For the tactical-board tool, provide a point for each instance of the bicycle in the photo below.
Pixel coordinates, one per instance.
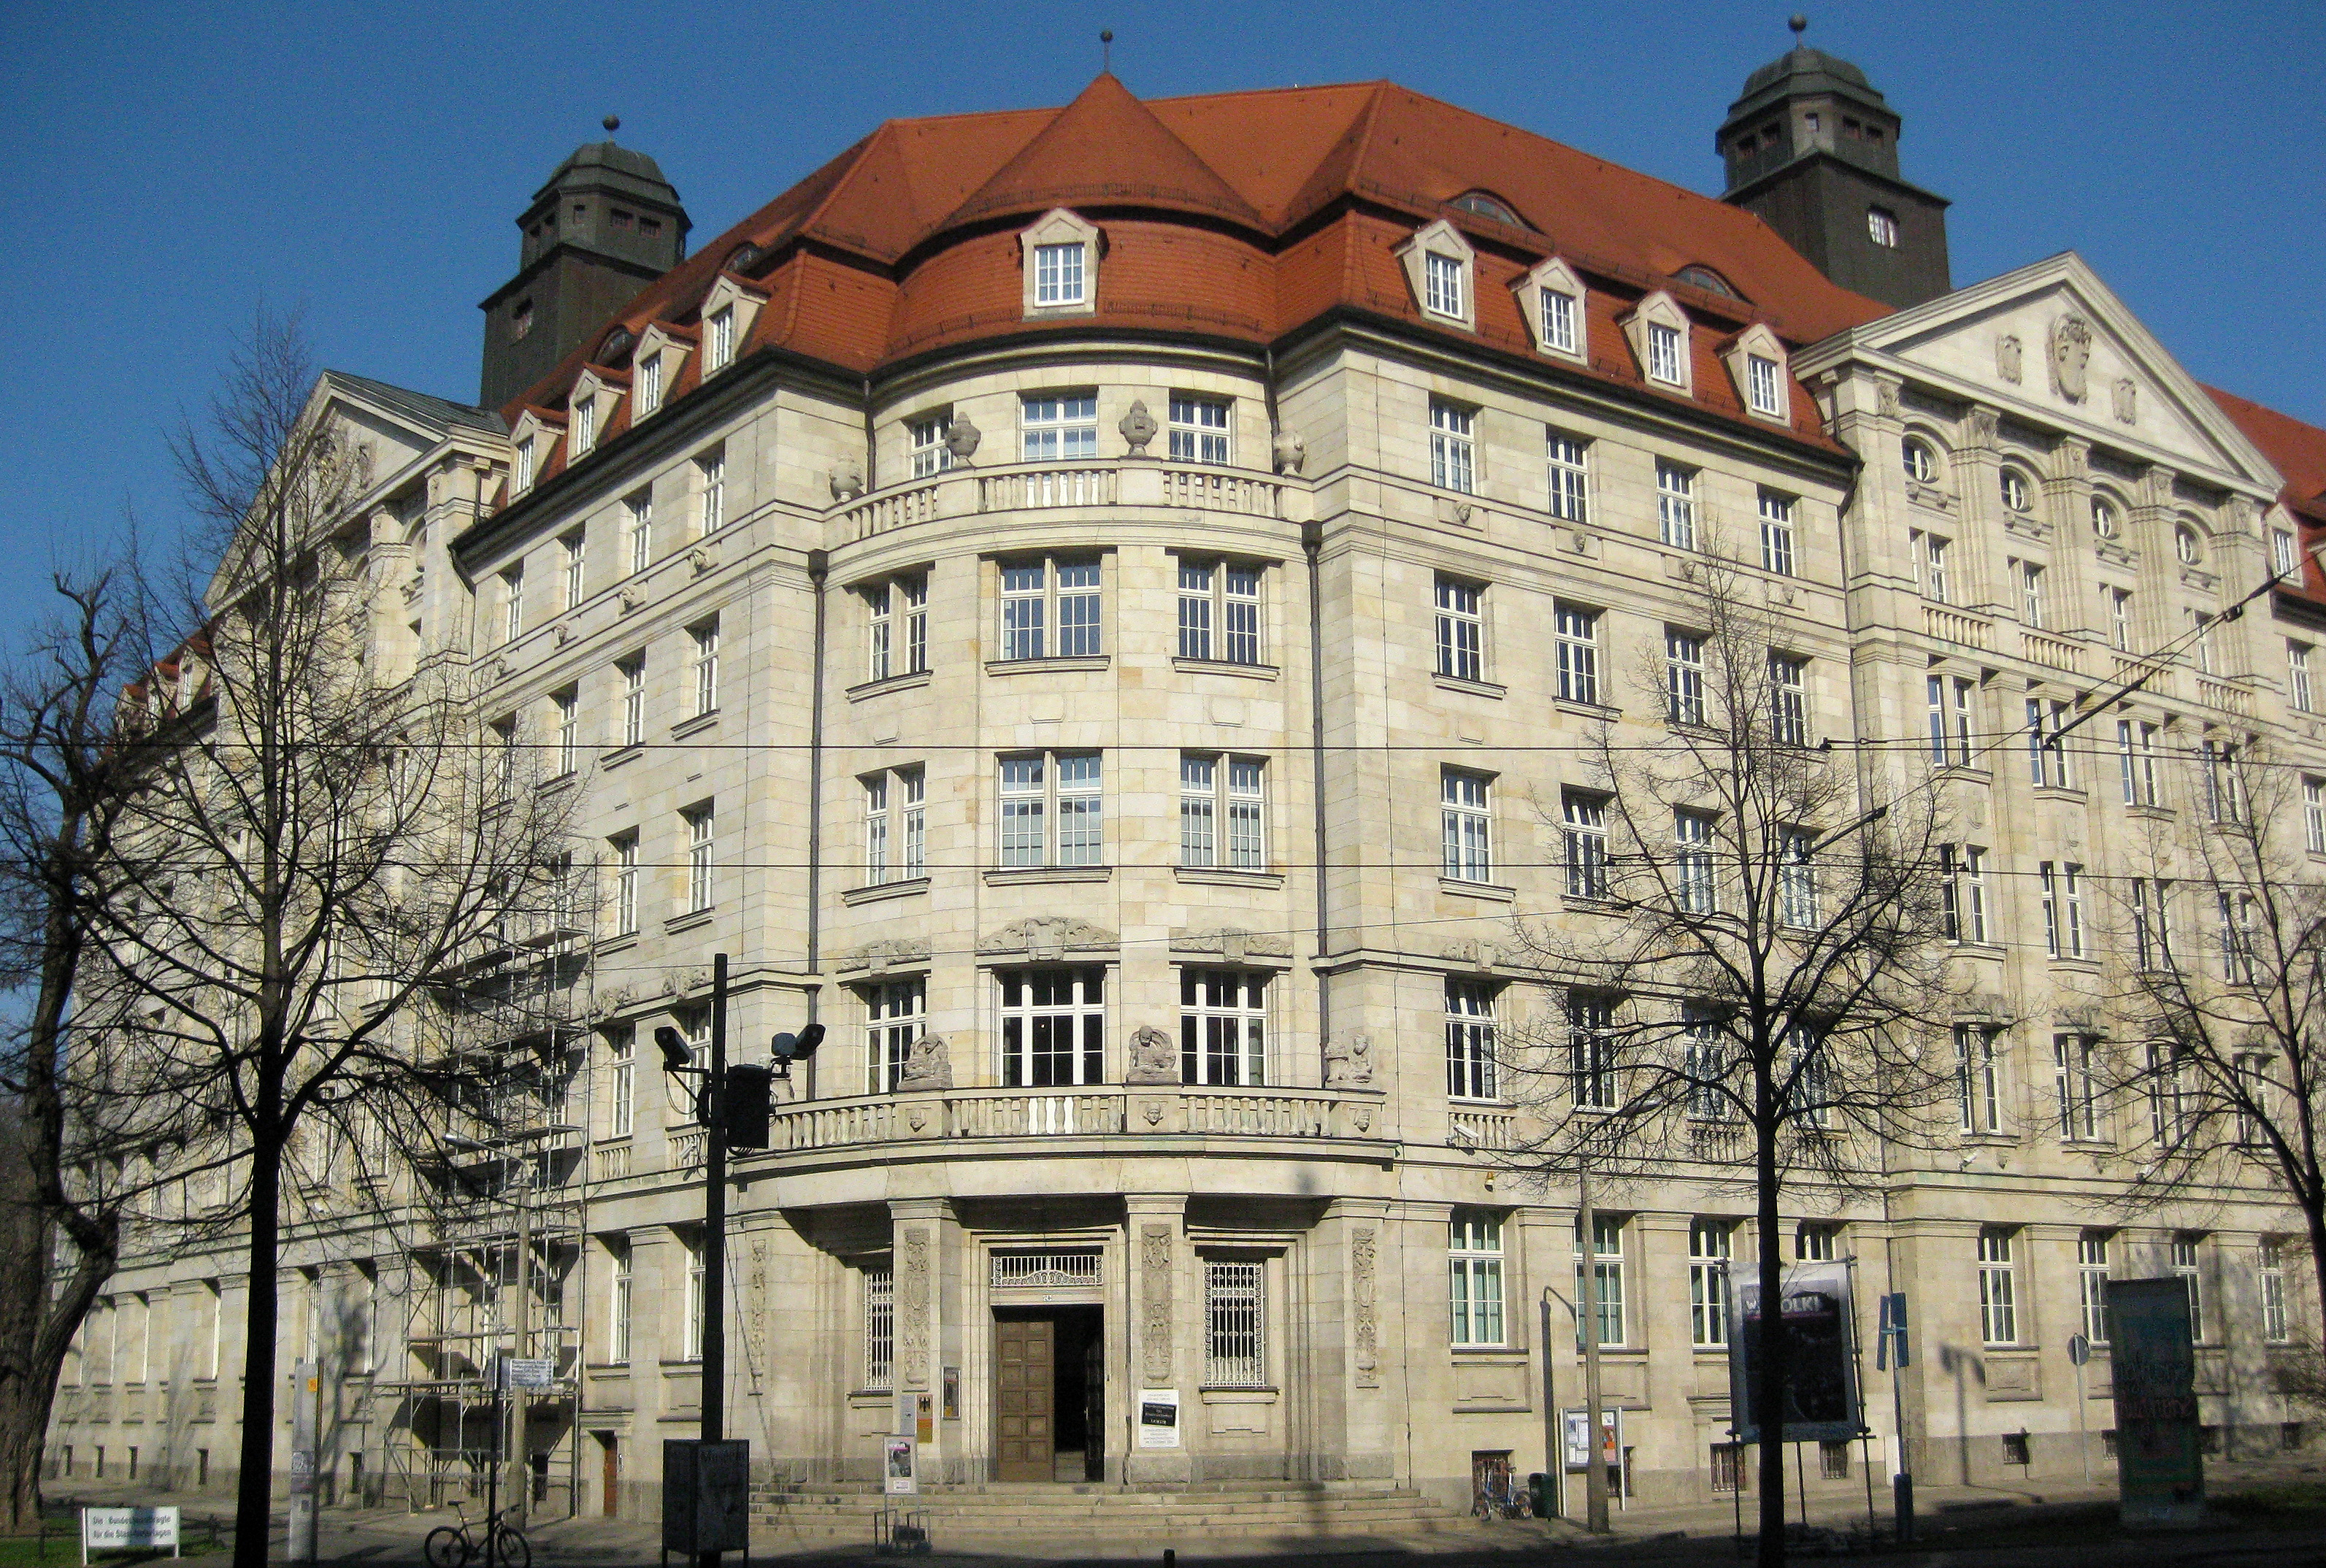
(452, 1547)
(1499, 1496)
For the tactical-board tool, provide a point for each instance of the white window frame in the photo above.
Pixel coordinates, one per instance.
(702, 822)
(1044, 615)
(1920, 459)
(2187, 1262)
(2135, 744)
(1607, 1281)
(896, 627)
(1453, 446)
(1061, 274)
(1695, 882)
(2031, 593)
(2275, 1328)
(1223, 1031)
(1474, 1282)
(1675, 504)
(2091, 1286)
(621, 1080)
(693, 1310)
(1062, 795)
(649, 383)
(1472, 1063)
(521, 469)
(1978, 1079)
(710, 481)
(895, 1012)
(572, 544)
(1445, 290)
(638, 531)
(2074, 1096)
(2314, 815)
(1667, 346)
(1574, 631)
(2285, 555)
(1930, 551)
(1466, 824)
(1461, 623)
(2297, 676)
(703, 638)
(1058, 427)
(621, 1303)
(512, 580)
(626, 882)
(1683, 677)
(633, 671)
(1777, 537)
(925, 441)
(1998, 1286)
(1789, 699)
(1568, 461)
(2015, 493)
(565, 730)
(1220, 611)
(1562, 315)
(879, 1327)
(719, 339)
(1200, 429)
(1223, 812)
(1594, 1078)
(1582, 830)
(1067, 1003)
(1882, 227)
(1711, 1244)
(1797, 885)
(1761, 379)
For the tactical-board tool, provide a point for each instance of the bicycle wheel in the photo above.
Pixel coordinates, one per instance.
(510, 1547)
(447, 1546)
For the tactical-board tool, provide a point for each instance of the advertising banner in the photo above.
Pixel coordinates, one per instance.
(2153, 1368)
(900, 1467)
(1821, 1395)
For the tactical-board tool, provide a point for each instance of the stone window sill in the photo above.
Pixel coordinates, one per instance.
(1045, 666)
(690, 920)
(620, 754)
(903, 682)
(695, 725)
(1010, 876)
(1222, 667)
(1485, 890)
(1227, 877)
(1476, 688)
(877, 890)
(1599, 710)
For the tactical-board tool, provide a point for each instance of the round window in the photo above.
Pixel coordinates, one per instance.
(2185, 545)
(2015, 489)
(2104, 517)
(1921, 463)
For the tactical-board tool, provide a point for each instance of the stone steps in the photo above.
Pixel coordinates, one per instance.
(1100, 1515)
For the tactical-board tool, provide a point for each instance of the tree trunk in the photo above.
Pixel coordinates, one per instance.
(2315, 1215)
(254, 1486)
(1768, 1370)
(24, 1396)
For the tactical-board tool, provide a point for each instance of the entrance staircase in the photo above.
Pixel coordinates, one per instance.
(1029, 1519)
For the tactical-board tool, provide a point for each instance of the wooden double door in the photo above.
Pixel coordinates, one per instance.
(1048, 1395)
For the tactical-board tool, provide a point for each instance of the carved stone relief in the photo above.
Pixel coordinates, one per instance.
(754, 1297)
(1980, 426)
(2127, 401)
(847, 480)
(1364, 1308)
(1289, 451)
(1886, 397)
(1233, 943)
(913, 1310)
(2009, 358)
(1138, 427)
(930, 1065)
(1349, 1060)
(962, 437)
(1154, 1057)
(1155, 1258)
(1046, 938)
(879, 956)
(2071, 357)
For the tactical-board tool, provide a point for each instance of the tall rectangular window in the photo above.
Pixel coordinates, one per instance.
(1977, 1087)
(617, 1307)
(895, 1013)
(1058, 274)
(2274, 1326)
(2225, 789)
(1559, 320)
(521, 473)
(2091, 1286)
(2031, 593)
(1053, 1027)
(1061, 593)
(512, 604)
(1707, 1065)
(2297, 676)
(875, 828)
(1776, 534)
(701, 837)
(1583, 830)
(565, 723)
(638, 530)
(649, 383)
(1695, 885)
(2200, 645)
(880, 1326)
(1199, 429)
(2187, 1264)
(720, 348)
(1441, 280)
(1949, 721)
(1474, 1259)
(1216, 791)
(1461, 629)
(2119, 608)
(926, 441)
(1761, 382)
(625, 883)
(1931, 557)
(1467, 825)
(711, 482)
(1058, 427)
(2135, 744)
(2314, 815)
(1570, 479)
(585, 425)
(1789, 700)
(1574, 634)
(1470, 1053)
(1663, 353)
(1452, 454)
(1710, 1245)
(1223, 1027)
(1675, 504)
(1235, 1321)
(2061, 883)
(2077, 1098)
(1998, 1287)
(1219, 611)
(2285, 555)
(633, 673)
(704, 635)
(1606, 1278)
(570, 550)
(1796, 887)
(1683, 677)
(2050, 764)
(897, 628)
(1052, 809)
(1593, 1077)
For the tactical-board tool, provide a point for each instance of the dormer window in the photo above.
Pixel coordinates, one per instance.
(1659, 330)
(721, 349)
(1057, 275)
(1060, 260)
(1442, 285)
(1756, 364)
(1663, 353)
(585, 425)
(1439, 262)
(1550, 298)
(521, 475)
(1761, 379)
(650, 384)
(1558, 313)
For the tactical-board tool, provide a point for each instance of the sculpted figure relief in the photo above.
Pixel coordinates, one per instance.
(1349, 1061)
(2071, 357)
(1154, 1059)
(2007, 358)
(930, 1065)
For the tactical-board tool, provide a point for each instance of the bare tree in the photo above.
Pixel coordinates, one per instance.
(321, 843)
(1752, 956)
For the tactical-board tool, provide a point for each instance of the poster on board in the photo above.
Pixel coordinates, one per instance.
(901, 1468)
(1821, 1395)
(2153, 1373)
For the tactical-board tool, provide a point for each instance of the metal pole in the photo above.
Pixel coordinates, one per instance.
(522, 1481)
(714, 1223)
(1554, 1462)
(2083, 1433)
(1594, 1468)
(493, 1469)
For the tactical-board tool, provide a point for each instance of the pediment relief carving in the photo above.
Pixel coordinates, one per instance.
(1048, 937)
(1233, 943)
(889, 953)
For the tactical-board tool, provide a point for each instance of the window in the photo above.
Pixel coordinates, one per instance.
(1053, 1027)
(1235, 1316)
(1576, 633)
(1951, 729)
(2285, 555)
(2165, 1069)
(879, 1326)
(633, 673)
(1570, 479)
(1214, 790)
(565, 708)
(1761, 385)
(1664, 354)
(2273, 1290)
(1060, 427)
(704, 635)
(721, 350)
(1963, 890)
(696, 1297)
(1706, 1063)
(1810, 1094)
(1058, 274)
(1453, 464)
(1469, 1040)
(1199, 429)
(1052, 809)
(625, 883)
(1930, 560)
(2225, 789)
(1789, 700)
(895, 1012)
(585, 426)
(649, 383)
(2031, 593)
(1560, 315)
(521, 476)
(2151, 942)
(2048, 762)
(1461, 629)
(1061, 592)
(1921, 463)
(2236, 911)
(2104, 517)
(1606, 1277)
(897, 628)
(2119, 608)
(570, 550)
(1882, 228)
(638, 530)
(2072, 1081)
(2297, 676)
(1776, 534)
(1219, 611)
(2136, 744)
(1223, 1027)
(1586, 833)
(1727, 1467)
(2015, 494)
(2249, 1077)
(926, 439)
(621, 1080)
(1796, 888)
(1683, 677)
(2314, 815)
(701, 828)
(2091, 1286)
(2185, 545)
(1998, 1296)
(1710, 1245)
(617, 1346)
(1675, 504)
(2185, 1264)
(1592, 1076)
(512, 604)
(2063, 908)
(2201, 641)
(896, 833)
(1474, 1252)
(711, 481)
(1441, 278)
(1467, 825)
(1693, 881)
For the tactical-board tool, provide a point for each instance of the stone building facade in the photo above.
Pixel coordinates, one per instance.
(1111, 649)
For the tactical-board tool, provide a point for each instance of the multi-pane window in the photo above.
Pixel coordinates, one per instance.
(710, 483)
(2285, 555)
(2274, 1326)
(1796, 887)
(691, 1346)
(1663, 353)
(1453, 446)
(1810, 1092)
(1683, 677)
(895, 827)
(1606, 1277)
(2061, 886)
(618, 1345)
(2049, 762)
(1223, 1027)
(2119, 608)
(1705, 1062)
(1694, 883)
(1235, 1317)
(1216, 791)
(585, 425)
(2136, 744)
(1470, 1059)
(1052, 809)
(1882, 228)
(625, 883)
(1570, 490)
(895, 1013)
(2235, 914)
(924, 439)
(1467, 825)
(1219, 611)
(2201, 641)
(1776, 534)
(701, 837)
(1560, 317)
(2076, 1098)
(638, 529)
(1053, 1027)
(2152, 940)
(649, 383)
(2166, 1068)
(1930, 560)
(897, 628)
(1060, 593)
(1058, 427)
(1575, 635)
(1474, 1258)
(1998, 1287)
(1950, 706)
(1789, 700)
(2031, 593)
(621, 1080)
(1675, 504)
(1592, 1076)
(565, 728)
(1461, 629)
(2186, 1263)
(1922, 464)
(704, 636)
(512, 604)
(1710, 1245)
(2016, 492)
(1584, 825)
(1441, 284)
(1978, 1088)
(521, 476)
(1058, 273)
(2314, 815)
(2225, 784)
(1199, 429)
(2297, 676)
(1962, 892)
(633, 673)
(572, 562)
(720, 349)
(1761, 383)
(2091, 1285)
(880, 1326)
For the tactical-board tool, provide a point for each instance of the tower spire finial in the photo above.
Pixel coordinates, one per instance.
(1106, 51)
(1798, 24)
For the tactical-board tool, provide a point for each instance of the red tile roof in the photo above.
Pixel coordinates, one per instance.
(2298, 452)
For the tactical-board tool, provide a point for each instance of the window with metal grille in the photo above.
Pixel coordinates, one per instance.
(879, 1326)
(1223, 1027)
(1072, 1268)
(1235, 1325)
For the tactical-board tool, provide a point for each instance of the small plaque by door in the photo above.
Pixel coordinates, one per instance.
(1025, 1417)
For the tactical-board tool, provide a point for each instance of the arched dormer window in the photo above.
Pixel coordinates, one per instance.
(1698, 276)
(1486, 204)
(1551, 298)
(1757, 364)
(1442, 269)
(1058, 258)
(1659, 331)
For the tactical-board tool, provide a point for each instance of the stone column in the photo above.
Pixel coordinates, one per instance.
(1156, 1271)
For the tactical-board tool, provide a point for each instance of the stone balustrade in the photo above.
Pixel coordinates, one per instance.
(1135, 1110)
(1954, 626)
(1034, 487)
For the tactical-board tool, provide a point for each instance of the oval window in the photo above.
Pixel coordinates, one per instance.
(1921, 463)
(2015, 493)
(2104, 522)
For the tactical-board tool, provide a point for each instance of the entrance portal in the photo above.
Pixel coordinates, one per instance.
(1049, 1393)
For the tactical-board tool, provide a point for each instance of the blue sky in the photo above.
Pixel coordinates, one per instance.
(173, 168)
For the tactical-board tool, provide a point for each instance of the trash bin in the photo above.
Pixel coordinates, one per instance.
(1539, 1494)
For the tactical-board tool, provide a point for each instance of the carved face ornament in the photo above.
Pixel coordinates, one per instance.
(2072, 355)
